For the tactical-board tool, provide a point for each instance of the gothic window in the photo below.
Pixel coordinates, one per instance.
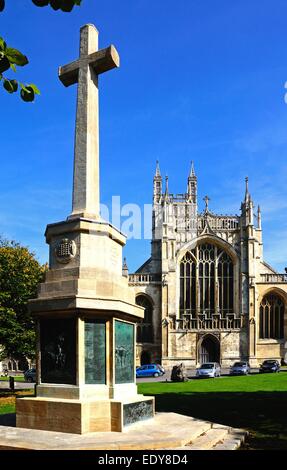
(188, 284)
(211, 269)
(144, 328)
(271, 314)
(225, 283)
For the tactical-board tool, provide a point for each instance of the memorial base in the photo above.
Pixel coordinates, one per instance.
(82, 416)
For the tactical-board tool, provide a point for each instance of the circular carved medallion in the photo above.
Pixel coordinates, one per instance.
(65, 250)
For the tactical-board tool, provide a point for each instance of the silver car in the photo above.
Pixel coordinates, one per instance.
(240, 368)
(208, 369)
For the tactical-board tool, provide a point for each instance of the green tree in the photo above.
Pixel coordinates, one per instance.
(20, 274)
(10, 57)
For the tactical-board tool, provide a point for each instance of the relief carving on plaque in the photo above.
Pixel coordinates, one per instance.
(58, 351)
(138, 411)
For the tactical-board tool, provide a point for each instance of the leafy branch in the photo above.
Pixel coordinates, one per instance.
(10, 57)
(64, 5)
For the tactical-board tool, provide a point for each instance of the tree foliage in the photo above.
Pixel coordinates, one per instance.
(20, 274)
(10, 57)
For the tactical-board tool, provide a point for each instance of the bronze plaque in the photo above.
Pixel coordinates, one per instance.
(138, 411)
(95, 352)
(58, 351)
(124, 352)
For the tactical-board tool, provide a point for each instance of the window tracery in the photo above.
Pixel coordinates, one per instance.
(206, 282)
(271, 317)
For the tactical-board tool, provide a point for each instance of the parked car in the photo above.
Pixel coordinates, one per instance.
(160, 367)
(239, 368)
(30, 375)
(270, 365)
(149, 370)
(209, 369)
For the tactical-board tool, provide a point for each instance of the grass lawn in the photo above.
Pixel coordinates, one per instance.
(17, 378)
(257, 403)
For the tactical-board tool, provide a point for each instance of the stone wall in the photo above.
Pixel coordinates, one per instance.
(153, 293)
(181, 348)
(230, 345)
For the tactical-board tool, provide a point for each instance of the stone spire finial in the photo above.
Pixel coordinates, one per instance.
(192, 185)
(166, 185)
(157, 184)
(192, 172)
(125, 268)
(247, 205)
(157, 170)
(206, 200)
(259, 218)
(247, 195)
(166, 193)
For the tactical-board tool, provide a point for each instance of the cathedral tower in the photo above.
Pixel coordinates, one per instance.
(207, 291)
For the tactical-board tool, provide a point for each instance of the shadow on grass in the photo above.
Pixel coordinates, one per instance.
(263, 414)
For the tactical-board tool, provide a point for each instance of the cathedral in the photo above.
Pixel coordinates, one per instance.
(208, 294)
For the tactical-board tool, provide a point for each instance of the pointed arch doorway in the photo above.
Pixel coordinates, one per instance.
(209, 349)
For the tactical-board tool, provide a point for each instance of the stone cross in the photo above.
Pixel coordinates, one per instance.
(206, 200)
(85, 71)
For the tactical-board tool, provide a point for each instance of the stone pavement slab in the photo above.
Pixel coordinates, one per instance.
(165, 431)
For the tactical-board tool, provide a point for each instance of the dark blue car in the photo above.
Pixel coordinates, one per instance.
(149, 370)
(270, 365)
(30, 375)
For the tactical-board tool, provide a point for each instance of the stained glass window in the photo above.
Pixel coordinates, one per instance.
(271, 317)
(206, 282)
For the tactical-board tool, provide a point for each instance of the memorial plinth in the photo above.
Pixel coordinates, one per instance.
(85, 311)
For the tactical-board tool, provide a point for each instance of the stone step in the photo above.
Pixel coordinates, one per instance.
(170, 431)
(232, 441)
(209, 439)
(218, 437)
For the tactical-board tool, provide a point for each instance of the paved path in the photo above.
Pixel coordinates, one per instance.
(165, 378)
(190, 373)
(18, 385)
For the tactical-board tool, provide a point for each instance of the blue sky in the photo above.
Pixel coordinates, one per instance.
(200, 80)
